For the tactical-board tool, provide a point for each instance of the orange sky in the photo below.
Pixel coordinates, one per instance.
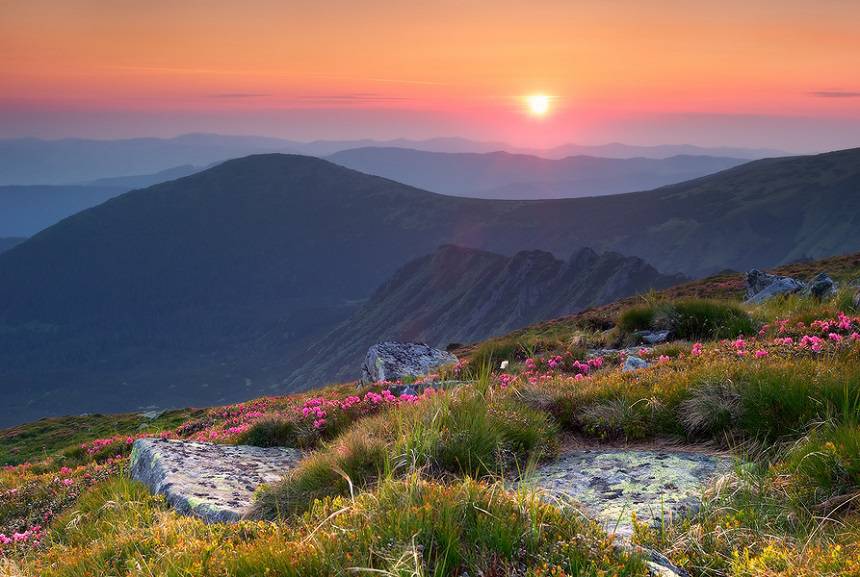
(402, 68)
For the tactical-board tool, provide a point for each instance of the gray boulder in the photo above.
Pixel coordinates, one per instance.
(762, 286)
(633, 363)
(821, 286)
(392, 361)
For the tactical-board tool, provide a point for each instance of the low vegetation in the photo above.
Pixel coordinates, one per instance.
(412, 485)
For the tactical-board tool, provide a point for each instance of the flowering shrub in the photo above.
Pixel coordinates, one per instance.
(36, 499)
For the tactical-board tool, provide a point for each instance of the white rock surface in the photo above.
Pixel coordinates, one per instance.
(210, 481)
(609, 485)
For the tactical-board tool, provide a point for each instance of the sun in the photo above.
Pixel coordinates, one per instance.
(538, 104)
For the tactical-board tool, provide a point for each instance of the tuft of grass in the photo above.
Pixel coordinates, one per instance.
(354, 462)
(637, 318)
(714, 406)
(689, 319)
(697, 319)
(118, 505)
(276, 432)
(825, 469)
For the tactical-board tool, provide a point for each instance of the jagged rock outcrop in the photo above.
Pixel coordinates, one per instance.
(392, 361)
(762, 286)
(210, 481)
(465, 295)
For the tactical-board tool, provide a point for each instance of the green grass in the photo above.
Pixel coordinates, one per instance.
(56, 436)
(276, 432)
(689, 319)
(463, 434)
(405, 527)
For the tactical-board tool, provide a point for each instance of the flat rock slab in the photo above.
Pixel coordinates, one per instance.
(610, 485)
(210, 481)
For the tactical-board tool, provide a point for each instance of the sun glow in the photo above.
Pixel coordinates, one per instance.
(538, 104)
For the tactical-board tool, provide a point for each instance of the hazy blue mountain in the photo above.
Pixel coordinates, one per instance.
(619, 150)
(8, 242)
(143, 180)
(35, 161)
(463, 295)
(25, 210)
(503, 175)
(76, 160)
(209, 288)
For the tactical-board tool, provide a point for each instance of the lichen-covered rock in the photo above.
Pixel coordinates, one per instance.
(658, 486)
(392, 361)
(762, 286)
(632, 363)
(821, 287)
(213, 482)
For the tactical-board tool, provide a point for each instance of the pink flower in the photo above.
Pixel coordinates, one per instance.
(836, 338)
(696, 350)
(760, 353)
(663, 359)
(68, 482)
(812, 342)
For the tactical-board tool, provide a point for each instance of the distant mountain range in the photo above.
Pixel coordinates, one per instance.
(27, 209)
(68, 161)
(463, 295)
(503, 175)
(210, 288)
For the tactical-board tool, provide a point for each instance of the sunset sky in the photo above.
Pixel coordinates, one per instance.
(780, 73)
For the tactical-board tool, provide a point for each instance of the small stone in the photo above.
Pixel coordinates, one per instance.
(633, 363)
(652, 337)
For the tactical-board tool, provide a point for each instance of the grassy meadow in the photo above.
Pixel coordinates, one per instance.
(415, 485)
